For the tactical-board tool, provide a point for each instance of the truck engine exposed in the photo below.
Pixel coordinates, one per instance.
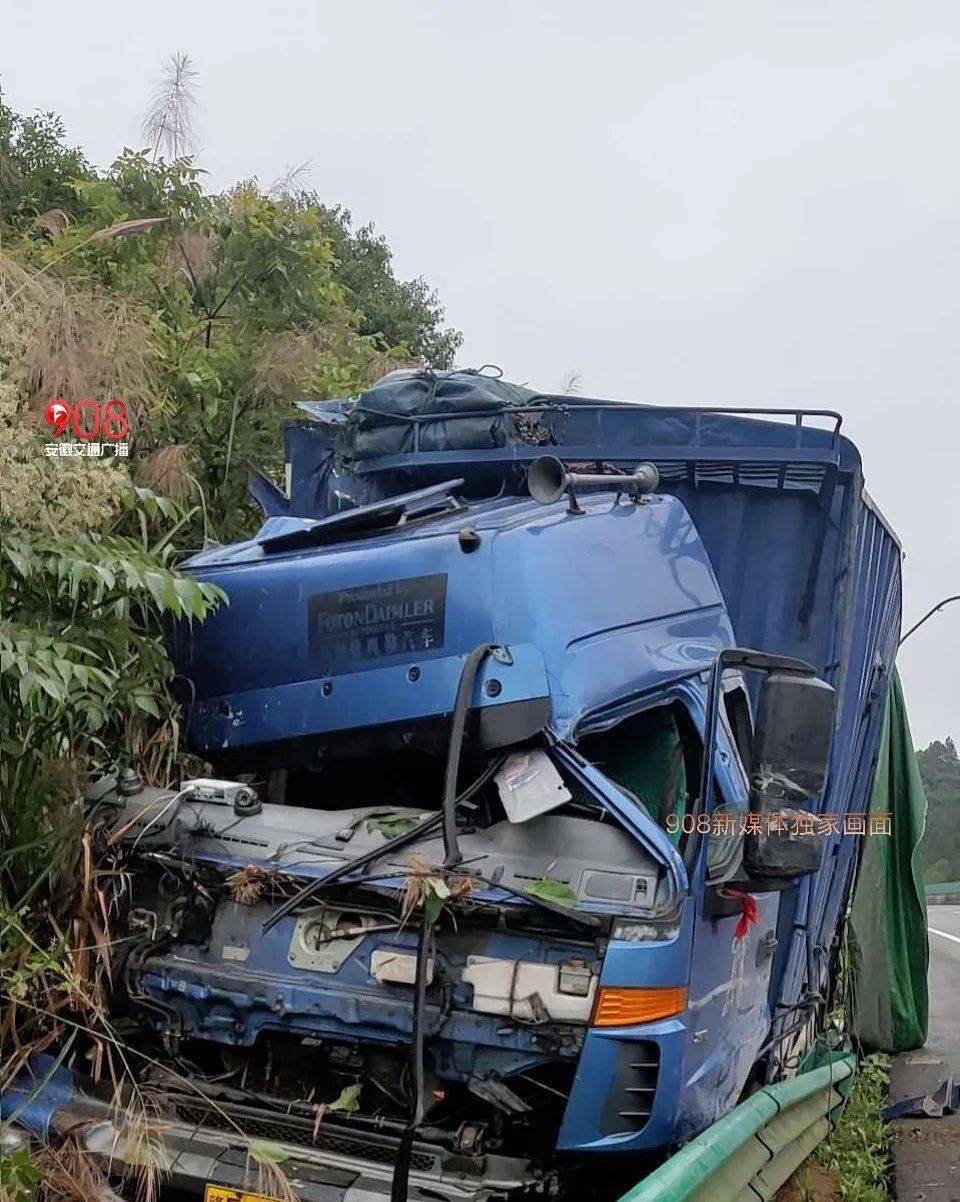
(302, 1031)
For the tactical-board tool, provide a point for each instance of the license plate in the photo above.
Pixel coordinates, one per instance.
(224, 1193)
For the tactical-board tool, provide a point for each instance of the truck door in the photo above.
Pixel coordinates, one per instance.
(733, 945)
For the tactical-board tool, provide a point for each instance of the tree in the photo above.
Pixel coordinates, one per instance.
(168, 122)
(208, 315)
(401, 313)
(37, 168)
(940, 769)
(233, 306)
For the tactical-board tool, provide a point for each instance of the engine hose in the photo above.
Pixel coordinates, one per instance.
(399, 1185)
(134, 965)
(461, 707)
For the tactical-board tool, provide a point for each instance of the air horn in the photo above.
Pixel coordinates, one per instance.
(548, 479)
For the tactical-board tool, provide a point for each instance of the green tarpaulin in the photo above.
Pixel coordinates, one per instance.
(887, 931)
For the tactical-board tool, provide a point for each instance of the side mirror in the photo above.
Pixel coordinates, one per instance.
(791, 756)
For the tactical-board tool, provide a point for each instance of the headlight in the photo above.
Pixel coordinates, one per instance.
(644, 932)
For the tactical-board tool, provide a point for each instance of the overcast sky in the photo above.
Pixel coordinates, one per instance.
(717, 203)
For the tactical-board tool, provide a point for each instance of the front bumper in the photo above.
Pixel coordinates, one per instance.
(199, 1142)
(339, 1168)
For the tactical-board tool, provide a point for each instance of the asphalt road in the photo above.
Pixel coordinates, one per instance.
(926, 1152)
(943, 924)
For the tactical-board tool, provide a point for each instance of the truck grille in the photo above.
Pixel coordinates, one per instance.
(261, 1124)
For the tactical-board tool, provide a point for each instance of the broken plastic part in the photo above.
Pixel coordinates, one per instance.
(529, 784)
(643, 932)
(527, 991)
(397, 968)
(576, 978)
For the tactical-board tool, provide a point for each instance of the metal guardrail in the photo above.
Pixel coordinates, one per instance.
(941, 888)
(749, 1153)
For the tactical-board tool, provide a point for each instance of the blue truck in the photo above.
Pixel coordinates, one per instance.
(540, 733)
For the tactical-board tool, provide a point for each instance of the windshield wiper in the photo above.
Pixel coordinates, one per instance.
(433, 823)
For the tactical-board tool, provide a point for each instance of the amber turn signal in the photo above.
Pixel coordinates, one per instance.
(624, 1007)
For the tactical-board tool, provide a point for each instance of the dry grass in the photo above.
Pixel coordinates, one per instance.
(288, 363)
(571, 384)
(384, 364)
(251, 883)
(78, 342)
(71, 1174)
(292, 180)
(54, 221)
(135, 1149)
(428, 888)
(191, 256)
(127, 229)
(55, 984)
(66, 971)
(143, 1145)
(167, 471)
(265, 1174)
(157, 753)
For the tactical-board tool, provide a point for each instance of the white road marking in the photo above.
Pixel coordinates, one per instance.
(944, 934)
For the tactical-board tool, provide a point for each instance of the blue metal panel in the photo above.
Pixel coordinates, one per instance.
(581, 1129)
(304, 707)
(698, 444)
(869, 601)
(775, 555)
(232, 1002)
(35, 1095)
(766, 496)
(618, 601)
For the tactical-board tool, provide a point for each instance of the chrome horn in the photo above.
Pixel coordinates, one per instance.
(548, 479)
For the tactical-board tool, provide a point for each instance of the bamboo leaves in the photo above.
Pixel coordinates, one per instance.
(83, 668)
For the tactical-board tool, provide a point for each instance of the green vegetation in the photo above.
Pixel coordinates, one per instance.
(550, 889)
(208, 316)
(19, 1176)
(83, 671)
(401, 313)
(858, 1150)
(940, 769)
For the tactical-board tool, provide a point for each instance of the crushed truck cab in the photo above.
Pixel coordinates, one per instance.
(476, 890)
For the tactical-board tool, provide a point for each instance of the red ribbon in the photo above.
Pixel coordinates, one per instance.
(748, 914)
